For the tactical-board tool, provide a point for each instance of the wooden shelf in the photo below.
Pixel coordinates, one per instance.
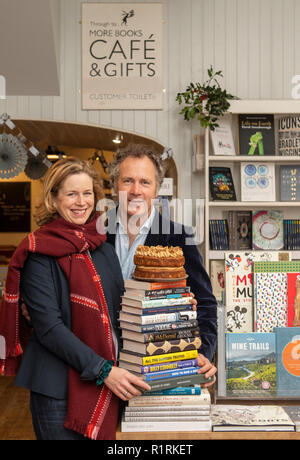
(207, 435)
(254, 204)
(265, 106)
(253, 158)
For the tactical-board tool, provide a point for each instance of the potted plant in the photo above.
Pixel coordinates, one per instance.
(208, 101)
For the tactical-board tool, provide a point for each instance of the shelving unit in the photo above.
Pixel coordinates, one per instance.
(214, 209)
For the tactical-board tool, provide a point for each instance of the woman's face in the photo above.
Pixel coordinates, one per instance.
(75, 199)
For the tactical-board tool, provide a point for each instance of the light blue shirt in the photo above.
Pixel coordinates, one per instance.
(124, 253)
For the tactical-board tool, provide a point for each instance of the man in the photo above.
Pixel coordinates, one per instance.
(136, 174)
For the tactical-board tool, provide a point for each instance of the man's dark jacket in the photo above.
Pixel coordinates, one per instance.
(168, 233)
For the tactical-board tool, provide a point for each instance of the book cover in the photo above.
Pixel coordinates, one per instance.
(289, 183)
(239, 417)
(173, 382)
(155, 327)
(149, 286)
(159, 366)
(156, 359)
(221, 184)
(144, 304)
(267, 230)
(239, 289)
(169, 334)
(289, 135)
(143, 294)
(270, 293)
(256, 134)
(293, 299)
(250, 365)
(222, 139)
(157, 310)
(217, 277)
(160, 318)
(239, 230)
(171, 373)
(158, 348)
(195, 390)
(258, 182)
(288, 361)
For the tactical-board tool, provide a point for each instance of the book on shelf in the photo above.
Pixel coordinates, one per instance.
(289, 135)
(159, 318)
(294, 414)
(293, 299)
(270, 293)
(173, 365)
(218, 234)
(256, 134)
(267, 230)
(222, 139)
(226, 417)
(290, 182)
(250, 365)
(217, 277)
(158, 348)
(150, 286)
(169, 334)
(143, 360)
(239, 229)
(291, 231)
(157, 310)
(288, 362)
(258, 182)
(239, 287)
(221, 184)
(184, 299)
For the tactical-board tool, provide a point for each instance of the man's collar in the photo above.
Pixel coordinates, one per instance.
(146, 225)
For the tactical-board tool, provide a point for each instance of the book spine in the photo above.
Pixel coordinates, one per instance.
(169, 325)
(159, 418)
(166, 309)
(173, 382)
(178, 356)
(165, 317)
(166, 284)
(165, 293)
(171, 373)
(171, 335)
(167, 366)
(176, 391)
(166, 302)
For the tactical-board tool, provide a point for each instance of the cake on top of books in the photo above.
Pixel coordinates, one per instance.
(161, 262)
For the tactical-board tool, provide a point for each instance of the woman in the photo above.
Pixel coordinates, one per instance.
(71, 283)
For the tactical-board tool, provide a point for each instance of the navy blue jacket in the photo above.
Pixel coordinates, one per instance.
(168, 233)
(53, 347)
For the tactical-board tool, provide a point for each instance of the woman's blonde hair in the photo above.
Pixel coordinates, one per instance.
(53, 181)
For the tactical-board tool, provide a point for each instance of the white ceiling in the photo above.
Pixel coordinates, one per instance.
(29, 47)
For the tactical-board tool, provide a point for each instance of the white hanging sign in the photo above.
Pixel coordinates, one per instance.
(122, 56)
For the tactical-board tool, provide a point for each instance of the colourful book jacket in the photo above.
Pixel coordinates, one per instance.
(267, 230)
(288, 361)
(239, 289)
(271, 293)
(250, 365)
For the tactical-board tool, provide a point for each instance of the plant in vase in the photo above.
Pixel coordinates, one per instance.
(208, 101)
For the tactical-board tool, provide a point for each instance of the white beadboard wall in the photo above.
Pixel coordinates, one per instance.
(254, 42)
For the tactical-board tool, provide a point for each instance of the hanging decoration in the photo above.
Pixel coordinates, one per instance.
(35, 168)
(16, 150)
(13, 156)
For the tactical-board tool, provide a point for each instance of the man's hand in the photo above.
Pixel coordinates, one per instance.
(207, 368)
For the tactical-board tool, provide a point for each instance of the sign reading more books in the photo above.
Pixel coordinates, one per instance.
(256, 134)
(289, 135)
(122, 56)
(221, 183)
(258, 182)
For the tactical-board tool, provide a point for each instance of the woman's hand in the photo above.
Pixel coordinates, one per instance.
(124, 384)
(207, 368)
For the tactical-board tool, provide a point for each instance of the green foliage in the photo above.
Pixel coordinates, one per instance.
(208, 101)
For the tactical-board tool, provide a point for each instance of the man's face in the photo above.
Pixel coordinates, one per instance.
(137, 178)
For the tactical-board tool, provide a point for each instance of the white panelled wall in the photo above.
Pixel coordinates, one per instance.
(254, 42)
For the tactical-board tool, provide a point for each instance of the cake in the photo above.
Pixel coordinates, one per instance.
(159, 262)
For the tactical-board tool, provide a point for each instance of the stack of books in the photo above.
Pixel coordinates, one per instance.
(169, 412)
(161, 340)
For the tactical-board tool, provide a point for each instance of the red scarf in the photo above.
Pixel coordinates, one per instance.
(92, 410)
